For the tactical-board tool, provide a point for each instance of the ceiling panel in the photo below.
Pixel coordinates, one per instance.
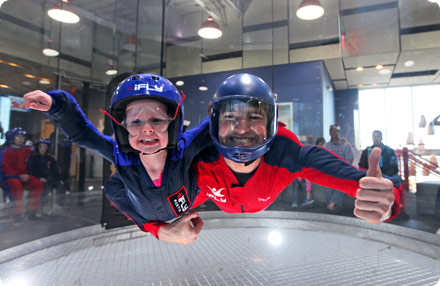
(367, 76)
(427, 59)
(370, 60)
(415, 80)
(340, 84)
(335, 68)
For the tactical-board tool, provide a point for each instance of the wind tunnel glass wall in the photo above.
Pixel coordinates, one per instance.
(312, 66)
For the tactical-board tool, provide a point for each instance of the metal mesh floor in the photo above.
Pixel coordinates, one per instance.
(235, 256)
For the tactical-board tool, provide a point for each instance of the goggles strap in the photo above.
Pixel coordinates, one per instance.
(108, 114)
(178, 106)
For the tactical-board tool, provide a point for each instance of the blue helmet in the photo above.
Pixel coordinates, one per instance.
(146, 86)
(249, 93)
(42, 140)
(15, 131)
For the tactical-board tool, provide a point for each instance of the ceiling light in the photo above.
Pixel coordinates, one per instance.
(50, 52)
(359, 68)
(1, 2)
(29, 75)
(384, 71)
(180, 83)
(4, 86)
(111, 72)
(44, 80)
(26, 82)
(409, 63)
(210, 29)
(379, 67)
(63, 12)
(435, 1)
(13, 65)
(310, 10)
(203, 88)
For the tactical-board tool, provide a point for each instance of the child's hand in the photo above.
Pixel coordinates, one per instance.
(37, 100)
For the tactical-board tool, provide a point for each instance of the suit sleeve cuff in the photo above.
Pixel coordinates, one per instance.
(153, 227)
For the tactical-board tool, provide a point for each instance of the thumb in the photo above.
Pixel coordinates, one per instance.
(373, 163)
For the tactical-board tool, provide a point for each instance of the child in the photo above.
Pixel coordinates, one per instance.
(150, 152)
(15, 172)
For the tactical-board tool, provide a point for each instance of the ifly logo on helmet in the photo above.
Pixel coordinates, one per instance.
(148, 87)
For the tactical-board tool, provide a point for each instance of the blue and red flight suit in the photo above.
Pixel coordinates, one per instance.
(131, 189)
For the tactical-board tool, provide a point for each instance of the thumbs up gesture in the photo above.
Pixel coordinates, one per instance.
(375, 197)
(37, 100)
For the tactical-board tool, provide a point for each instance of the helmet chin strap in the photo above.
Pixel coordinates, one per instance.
(165, 148)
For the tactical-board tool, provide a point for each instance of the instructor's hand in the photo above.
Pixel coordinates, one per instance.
(375, 198)
(182, 231)
(37, 100)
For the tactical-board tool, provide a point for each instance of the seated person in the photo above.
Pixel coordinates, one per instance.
(44, 167)
(16, 175)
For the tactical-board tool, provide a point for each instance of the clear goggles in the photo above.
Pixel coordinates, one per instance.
(150, 117)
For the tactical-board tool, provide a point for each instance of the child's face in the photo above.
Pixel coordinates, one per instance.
(147, 123)
(42, 148)
(19, 139)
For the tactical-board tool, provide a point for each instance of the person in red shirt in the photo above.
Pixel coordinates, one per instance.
(15, 172)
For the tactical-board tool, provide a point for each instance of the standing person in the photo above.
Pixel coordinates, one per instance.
(388, 159)
(320, 141)
(15, 171)
(44, 167)
(154, 181)
(335, 198)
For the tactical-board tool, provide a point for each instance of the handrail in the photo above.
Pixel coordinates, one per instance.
(406, 156)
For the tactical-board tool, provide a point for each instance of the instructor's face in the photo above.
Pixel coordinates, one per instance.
(242, 126)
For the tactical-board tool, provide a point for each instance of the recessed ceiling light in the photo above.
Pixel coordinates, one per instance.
(26, 82)
(379, 67)
(4, 86)
(111, 72)
(409, 63)
(29, 75)
(44, 80)
(359, 68)
(180, 83)
(50, 52)
(203, 88)
(384, 71)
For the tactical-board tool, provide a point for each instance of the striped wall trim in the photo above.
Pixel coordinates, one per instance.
(330, 41)
(371, 8)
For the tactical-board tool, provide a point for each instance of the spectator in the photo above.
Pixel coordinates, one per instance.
(44, 167)
(16, 173)
(388, 160)
(299, 185)
(335, 198)
(320, 141)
